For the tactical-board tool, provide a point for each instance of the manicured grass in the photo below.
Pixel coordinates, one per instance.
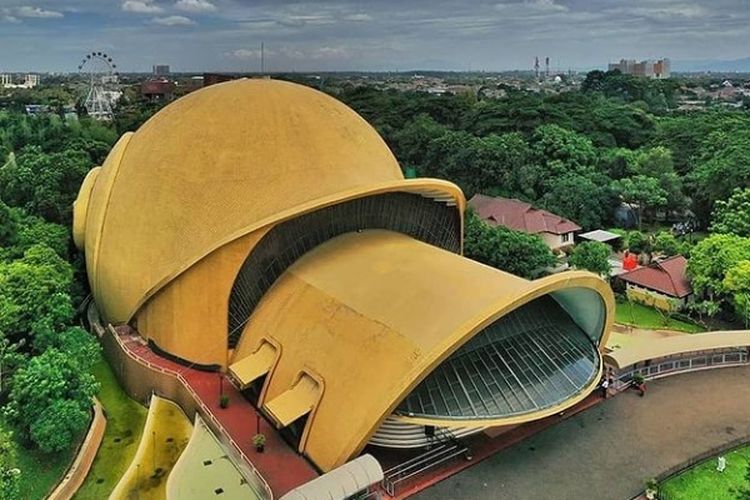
(125, 419)
(640, 316)
(704, 481)
(40, 472)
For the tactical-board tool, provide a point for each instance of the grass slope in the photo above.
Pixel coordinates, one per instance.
(641, 316)
(704, 482)
(40, 472)
(125, 419)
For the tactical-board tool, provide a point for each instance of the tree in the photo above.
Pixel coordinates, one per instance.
(50, 399)
(35, 231)
(737, 283)
(733, 215)
(666, 244)
(8, 226)
(711, 259)
(657, 163)
(722, 167)
(642, 192)
(9, 473)
(638, 242)
(518, 253)
(592, 256)
(563, 151)
(587, 200)
(34, 293)
(44, 184)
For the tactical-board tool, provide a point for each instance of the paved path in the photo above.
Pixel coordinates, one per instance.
(610, 450)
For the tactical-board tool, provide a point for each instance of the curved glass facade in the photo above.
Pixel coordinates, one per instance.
(422, 218)
(533, 358)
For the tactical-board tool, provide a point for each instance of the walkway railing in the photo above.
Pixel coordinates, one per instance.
(247, 468)
(672, 365)
(395, 476)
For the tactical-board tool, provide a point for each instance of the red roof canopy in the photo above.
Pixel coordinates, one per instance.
(667, 276)
(521, 216)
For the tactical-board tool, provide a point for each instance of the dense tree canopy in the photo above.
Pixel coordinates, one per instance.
(733, 215)
(51, 397)
(592, 256)
(711, 260)
(518, 253)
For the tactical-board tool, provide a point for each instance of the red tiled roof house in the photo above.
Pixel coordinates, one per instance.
(556, 231)
(663, 284)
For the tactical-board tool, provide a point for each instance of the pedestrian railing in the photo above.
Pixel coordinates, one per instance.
(395, 476)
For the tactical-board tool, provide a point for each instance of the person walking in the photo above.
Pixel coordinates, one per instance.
(605, 387)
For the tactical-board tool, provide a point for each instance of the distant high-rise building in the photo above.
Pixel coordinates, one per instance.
(161, 70)
(648, 68)
(6, 80)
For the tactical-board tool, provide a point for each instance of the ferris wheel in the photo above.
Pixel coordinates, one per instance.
(100, 71)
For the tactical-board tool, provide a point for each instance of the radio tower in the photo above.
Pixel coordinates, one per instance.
(546, 68)
(536, 67)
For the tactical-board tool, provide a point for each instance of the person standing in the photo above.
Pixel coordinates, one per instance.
(605, 387)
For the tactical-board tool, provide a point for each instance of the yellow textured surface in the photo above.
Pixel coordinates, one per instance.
(81, 205)
(294, 403)
(676, 344)
(212, 164)
(166, 433)
(255, 365)
(372, 314)
(188, 317)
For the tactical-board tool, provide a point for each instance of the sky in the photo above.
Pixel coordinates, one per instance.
(367, 35)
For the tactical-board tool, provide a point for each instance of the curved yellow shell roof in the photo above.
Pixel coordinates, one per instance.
(371, 314)
(210, 167)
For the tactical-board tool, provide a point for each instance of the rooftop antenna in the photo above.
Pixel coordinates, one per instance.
(262, 59)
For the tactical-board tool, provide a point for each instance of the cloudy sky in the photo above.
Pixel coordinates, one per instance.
(225, 35)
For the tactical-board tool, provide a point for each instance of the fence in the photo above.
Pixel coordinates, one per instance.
(698, 360)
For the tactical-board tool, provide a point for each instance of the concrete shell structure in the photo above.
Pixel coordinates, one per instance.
(264, 228)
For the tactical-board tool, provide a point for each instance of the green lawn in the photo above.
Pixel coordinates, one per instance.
(40, 472)
(640, 316)
(125, 419)
(704, 482)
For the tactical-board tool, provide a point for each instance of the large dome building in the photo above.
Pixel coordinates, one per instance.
(264, 228)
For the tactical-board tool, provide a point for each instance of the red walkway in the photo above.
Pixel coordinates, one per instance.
(281, 466)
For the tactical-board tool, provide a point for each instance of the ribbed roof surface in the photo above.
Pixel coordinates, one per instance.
(519, 215)
(667, 276)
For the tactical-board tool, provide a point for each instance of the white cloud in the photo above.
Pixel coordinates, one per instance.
(545, 5)
(141, 7)
(195, 6)
(317, 53)
(10, 19)
(330, 53)
(173, 21)
(37, 13)
(531, 6)
(358, 17)
(247, 53)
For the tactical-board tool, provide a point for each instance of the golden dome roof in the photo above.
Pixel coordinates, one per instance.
(211, 167)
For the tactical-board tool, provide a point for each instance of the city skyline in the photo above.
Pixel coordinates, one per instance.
(336, 35)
